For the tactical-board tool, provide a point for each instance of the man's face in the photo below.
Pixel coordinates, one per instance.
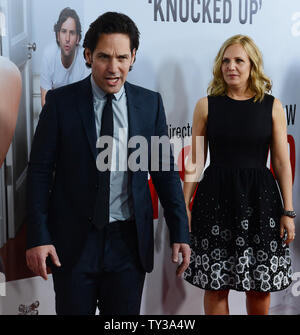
(111, 61)
(68, 37)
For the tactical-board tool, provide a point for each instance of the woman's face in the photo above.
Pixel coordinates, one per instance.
(236, 66)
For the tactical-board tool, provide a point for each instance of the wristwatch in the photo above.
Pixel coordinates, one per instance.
(291, 214)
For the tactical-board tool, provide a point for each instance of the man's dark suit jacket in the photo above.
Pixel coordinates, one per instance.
(61, 203)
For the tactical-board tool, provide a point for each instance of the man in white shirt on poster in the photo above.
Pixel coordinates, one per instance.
(63, 63)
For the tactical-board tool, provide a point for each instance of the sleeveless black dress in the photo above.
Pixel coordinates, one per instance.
(235, 238)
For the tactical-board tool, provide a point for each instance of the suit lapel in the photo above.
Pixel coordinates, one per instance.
(135, 117)
(85, 108)
(137, 124)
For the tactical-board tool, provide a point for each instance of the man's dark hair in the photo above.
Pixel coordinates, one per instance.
(63, 16)
(111, 23)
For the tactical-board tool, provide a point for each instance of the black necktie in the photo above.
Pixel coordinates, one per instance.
(101, 215)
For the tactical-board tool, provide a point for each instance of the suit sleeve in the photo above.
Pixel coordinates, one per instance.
(168, 185)
(40, 175)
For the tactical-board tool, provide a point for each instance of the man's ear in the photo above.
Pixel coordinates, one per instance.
(57, 39)
(88, 56)
(133, 56)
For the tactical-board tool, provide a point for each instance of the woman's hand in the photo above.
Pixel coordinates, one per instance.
(287, 225)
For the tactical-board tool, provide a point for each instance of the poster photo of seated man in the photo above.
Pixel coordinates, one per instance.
(63, 62)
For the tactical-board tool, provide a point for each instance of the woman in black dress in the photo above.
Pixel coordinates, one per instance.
(240, 227)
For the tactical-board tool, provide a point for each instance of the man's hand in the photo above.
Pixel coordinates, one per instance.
(43, 96)
(36, 259)
(186, 253)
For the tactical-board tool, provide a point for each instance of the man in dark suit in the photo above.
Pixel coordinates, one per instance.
(96, 224)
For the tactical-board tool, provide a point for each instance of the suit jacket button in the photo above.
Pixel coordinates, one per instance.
(97, 186)
(90, 219)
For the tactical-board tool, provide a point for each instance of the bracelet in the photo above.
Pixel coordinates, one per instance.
(291, 214)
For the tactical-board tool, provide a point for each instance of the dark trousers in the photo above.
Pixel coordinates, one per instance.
(108, 275)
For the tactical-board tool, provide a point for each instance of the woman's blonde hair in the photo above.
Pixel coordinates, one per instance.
(259, 83)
